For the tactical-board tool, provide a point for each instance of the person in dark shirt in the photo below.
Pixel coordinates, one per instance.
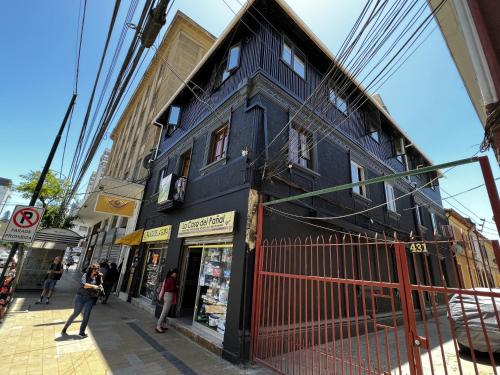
(110, 279)
(54, 274)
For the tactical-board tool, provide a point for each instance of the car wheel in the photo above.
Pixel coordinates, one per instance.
(463, 349)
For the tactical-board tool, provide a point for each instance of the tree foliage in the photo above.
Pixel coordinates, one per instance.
(51, 197)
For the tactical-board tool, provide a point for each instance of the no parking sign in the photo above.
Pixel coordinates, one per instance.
(23, 224)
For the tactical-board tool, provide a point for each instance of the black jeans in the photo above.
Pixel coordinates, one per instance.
(107, 290)
(84, 303)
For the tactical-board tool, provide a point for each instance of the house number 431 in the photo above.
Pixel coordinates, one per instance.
(418, 248)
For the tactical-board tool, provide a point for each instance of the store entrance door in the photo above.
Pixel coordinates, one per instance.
(189, 281)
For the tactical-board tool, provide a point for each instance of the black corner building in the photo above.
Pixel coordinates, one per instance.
(239, 132)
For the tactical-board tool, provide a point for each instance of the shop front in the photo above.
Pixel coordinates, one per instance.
(205, 273)
(154, 248)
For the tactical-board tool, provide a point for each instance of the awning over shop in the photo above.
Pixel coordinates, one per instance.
(131, 239)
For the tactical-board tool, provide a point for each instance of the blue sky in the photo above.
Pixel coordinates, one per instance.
(426, 96)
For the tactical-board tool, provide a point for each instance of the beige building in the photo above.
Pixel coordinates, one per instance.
(111, 208)
(474, 255)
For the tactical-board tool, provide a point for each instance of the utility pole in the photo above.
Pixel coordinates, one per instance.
(41, 179)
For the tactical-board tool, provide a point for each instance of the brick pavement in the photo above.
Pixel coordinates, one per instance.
(121, 341)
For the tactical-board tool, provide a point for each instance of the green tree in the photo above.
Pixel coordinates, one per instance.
(51, 197)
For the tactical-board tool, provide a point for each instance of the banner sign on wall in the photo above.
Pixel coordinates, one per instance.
(113, 205)
(214, 224)
(157, 234)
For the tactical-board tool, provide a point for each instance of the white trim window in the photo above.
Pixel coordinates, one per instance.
(338, 101)
(418, 214)
(390, 197)
(300, 146)
(358, 175)
(295, 59)
(434, 223)
(233, 61)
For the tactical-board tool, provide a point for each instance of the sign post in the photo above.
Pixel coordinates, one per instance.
(23, 224)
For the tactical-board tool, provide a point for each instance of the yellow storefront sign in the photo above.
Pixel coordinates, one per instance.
(113, 205)
(214, 224)
(157, 234)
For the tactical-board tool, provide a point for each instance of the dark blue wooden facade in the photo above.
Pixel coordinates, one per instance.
(257, 100)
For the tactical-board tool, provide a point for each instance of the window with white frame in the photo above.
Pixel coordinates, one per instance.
(358, 175)
(233, 61)
(338, 101)
(294, 58)
(174, 116)
(300, 146)
(390, 197)
(434, 223)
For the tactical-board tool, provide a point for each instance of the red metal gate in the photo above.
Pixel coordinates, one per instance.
(359, 305)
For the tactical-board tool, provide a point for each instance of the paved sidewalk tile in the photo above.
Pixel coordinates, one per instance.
(121, 341)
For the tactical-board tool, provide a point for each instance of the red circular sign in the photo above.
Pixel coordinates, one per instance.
(26, 217)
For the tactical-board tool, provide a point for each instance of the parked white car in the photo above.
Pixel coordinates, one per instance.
(465, 304)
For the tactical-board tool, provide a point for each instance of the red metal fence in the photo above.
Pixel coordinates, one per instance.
(359, 305)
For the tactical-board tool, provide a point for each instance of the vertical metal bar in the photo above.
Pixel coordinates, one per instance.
(318, 307)
(374, 308)
(295, 271)
(289, 303)
(313, 347)
(332, 299)
(348, 310)
(279, 311)
(256, 278)
(325, 309)
(300, 308)
(365, 317)
(491, 188)
(339, 303)
(354, 288)
(407, 308)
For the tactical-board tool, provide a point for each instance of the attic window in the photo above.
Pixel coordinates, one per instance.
(294, 58)
(337, 100)
(373, 125)
(399, 148)
(233, 61)
(174, 116)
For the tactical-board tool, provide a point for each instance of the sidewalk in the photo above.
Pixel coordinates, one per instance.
(121, 340)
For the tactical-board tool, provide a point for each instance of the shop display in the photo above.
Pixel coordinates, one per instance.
(214, 281)
(151, 272)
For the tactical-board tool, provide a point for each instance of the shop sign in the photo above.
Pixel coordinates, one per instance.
(157, 234)
(113, 205)
(214, 224)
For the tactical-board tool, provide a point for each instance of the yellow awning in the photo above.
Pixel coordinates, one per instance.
(131, 239)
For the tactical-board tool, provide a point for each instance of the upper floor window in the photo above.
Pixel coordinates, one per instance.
(373, 124)
(358, 175)
(185, 163)
(419, 213)
(233, 61)
(174, 116)
(433, 222)
(161, 175)
(337, 100)
(390, 197)
(218, 146)
(294, 58)
(398, 145)
(300, 146)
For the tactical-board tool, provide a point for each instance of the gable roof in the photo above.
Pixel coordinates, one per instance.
(317, 42)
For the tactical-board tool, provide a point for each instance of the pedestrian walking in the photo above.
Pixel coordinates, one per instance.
(54, 274)
(86, 298)
(110, 279)
(103, 267)
(69, 262)
(168, 295)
